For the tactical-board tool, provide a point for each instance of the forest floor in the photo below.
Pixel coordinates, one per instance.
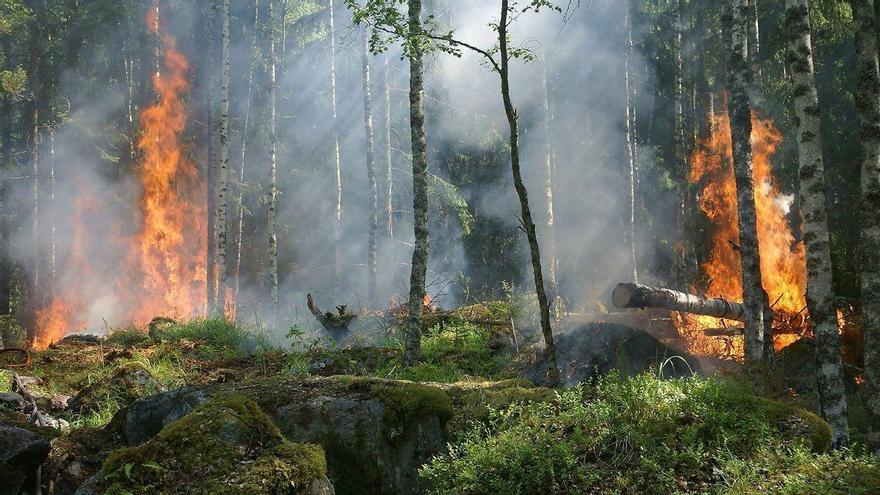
(480, 427)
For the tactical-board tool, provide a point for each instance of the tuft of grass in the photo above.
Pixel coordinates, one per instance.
(223, 338)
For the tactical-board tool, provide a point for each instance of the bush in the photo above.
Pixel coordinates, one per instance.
(639, 436)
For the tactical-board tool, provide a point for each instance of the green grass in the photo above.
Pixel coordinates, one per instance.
(222, 338)
(455, 352)
(646, 436)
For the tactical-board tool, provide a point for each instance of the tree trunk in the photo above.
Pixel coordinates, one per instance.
(223, 175)
(528, 224)
(868, 104)
(337, 221)
(419, 266)
(211, 262)
(820, 295)
(373, 247)
(741, 130)
(389, 171)
(641, 296)
(35, 143)
(552, 255)
(52, 221)
(273, 188)
(630, 144)
(236, 275)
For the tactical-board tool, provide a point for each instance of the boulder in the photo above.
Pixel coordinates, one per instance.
(21, 453)
(227, 445)
(587, 351)
(13, 401)
(146, 417)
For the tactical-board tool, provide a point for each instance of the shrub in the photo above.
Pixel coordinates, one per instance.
(635, 436)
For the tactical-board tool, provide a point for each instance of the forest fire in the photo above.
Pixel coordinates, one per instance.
(160, 268)
(783, 260)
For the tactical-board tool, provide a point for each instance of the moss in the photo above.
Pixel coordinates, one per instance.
(796, 422)
(228, 445)
(407, 402)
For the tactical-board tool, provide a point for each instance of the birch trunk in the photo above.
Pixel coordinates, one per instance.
(389, 171)
(52, 221)
(820, 296)
(868, 104)
(223, 175)
(741, 130)
(273, 188)
(236, 275)
(373, 247)
(337, 221)
(552, 255)
(754, 41)
(528, 224)
(630, 144)
(419, 266)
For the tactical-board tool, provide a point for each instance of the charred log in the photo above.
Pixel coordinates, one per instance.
(640, 296)
(337, 323)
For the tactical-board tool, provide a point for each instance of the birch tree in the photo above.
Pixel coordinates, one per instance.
(832, 396)
(630, 141)
(273, 187)
(371, 178)
(739, 108)
(223, 172)
(552, 255)
(868, 105)
(337, 218)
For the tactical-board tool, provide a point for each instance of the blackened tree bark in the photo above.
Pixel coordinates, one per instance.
(419, 267)
(868, 104)
(741, 129)
(832, 395)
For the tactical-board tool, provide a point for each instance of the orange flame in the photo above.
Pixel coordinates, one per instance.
(162, 267)
(783, 260)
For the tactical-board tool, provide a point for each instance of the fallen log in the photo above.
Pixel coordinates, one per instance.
(627, 295)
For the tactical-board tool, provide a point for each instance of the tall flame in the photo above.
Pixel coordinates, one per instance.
(160, 269)
(783, 260)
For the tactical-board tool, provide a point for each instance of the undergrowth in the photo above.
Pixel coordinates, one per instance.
(647, 436)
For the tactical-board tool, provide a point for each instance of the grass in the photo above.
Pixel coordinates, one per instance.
(454, 352)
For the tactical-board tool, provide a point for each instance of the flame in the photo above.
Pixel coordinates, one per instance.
(159, 268)
(783, 259)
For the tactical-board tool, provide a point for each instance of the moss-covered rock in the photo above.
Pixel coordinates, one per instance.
(123, 386)
(228, 445)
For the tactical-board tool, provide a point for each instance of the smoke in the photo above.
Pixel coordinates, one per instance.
(96, 195)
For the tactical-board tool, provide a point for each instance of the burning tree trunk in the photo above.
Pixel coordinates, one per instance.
(641, 296)
(372, 296)
(868, 103)
(223, 175)
(832, 396)
(273, 189)
(236, 275)
(419, 265)
(337, 224)
(741, 129)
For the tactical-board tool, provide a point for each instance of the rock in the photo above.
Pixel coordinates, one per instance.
(30, 381)
(13, 401)
(587, 351)
(59, 402)
(146, 417)
(124, 386)
(227, 445)
(21, 453)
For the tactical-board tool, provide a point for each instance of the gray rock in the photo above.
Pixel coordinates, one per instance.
(21, 453)
(588, 351)
(146, 417)
(13, 401)
(322, 486)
